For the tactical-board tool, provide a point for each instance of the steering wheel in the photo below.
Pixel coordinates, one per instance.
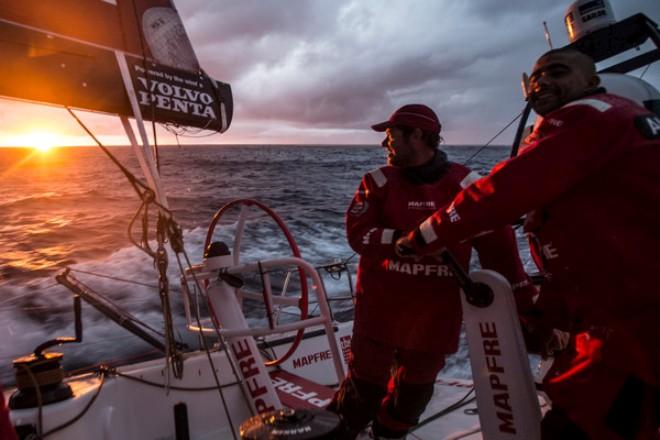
(303, 302)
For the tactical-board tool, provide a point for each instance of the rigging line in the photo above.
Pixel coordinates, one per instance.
(50, 286)
(137, 184)
(353, 255)
(174, 359)
(124, 312)
(175, 388)
(153, 130)
(492, 139)
(33, 46)
(131, 178)
(453, 407)
(114, 362)
(143, 245)
(645, 70)
(99, 275)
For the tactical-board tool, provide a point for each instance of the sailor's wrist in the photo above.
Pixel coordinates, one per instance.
(416, 238)
(521, 284)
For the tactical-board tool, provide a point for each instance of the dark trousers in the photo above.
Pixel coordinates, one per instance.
(389, 386)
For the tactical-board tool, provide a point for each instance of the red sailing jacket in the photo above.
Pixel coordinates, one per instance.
(7, 431)
(592, 184)
(415, 304)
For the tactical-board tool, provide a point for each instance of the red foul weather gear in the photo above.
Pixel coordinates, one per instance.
(415, 303)
(408, 311)
(591, 184)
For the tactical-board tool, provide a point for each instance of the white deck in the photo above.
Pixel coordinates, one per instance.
(461, 423)
(125, 409)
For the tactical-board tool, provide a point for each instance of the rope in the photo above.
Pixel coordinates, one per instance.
(124, 280)
(173, 356)
(108, 363)
(170, 387)
(492, 139)
(645, 70)
(134, 181)
(451, 408)
(102, 373)
(40, 403)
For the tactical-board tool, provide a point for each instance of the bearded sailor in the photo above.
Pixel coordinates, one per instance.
(408, 310)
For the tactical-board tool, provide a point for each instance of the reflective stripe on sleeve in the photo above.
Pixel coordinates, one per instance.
(599, 105)
(387, 235)
(379, 177)
(426, 228)
(470, 179)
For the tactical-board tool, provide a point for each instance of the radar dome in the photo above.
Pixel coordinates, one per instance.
(586, 16)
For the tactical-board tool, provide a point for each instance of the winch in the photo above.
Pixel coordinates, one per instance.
(291, 424)
(39, 376)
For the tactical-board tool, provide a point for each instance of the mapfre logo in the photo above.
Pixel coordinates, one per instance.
(423, 204)
(649, 126)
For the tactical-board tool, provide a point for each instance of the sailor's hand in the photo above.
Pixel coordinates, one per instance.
(558, 341)
(543, 340)
(404, 248)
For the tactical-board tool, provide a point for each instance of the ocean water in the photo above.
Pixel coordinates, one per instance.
(71, 207)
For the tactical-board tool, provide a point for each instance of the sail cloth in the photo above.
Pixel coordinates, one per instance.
(64, 53)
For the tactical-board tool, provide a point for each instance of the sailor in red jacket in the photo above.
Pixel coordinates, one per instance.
(408, 310)
(591, 183)
(7, 431)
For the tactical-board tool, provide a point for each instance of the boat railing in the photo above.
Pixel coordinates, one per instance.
(270, 301)
(335, 270)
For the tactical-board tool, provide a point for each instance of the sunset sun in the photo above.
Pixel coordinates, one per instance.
(43, 148)
(41, 141)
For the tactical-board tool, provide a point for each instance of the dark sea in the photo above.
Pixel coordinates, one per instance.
(71, 207)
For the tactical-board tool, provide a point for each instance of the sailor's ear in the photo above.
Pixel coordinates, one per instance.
(594, 81)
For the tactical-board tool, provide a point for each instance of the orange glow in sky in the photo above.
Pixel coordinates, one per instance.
(39, 140)
(41, 143)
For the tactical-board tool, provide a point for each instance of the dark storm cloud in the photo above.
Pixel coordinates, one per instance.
(345, 64)
(235, 37)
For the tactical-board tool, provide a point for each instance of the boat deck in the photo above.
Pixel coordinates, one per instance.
(452, 413)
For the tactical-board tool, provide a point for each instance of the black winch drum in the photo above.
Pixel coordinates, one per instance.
(290, 424)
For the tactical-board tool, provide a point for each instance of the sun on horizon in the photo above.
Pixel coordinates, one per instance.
(41, 141)
(43, 148)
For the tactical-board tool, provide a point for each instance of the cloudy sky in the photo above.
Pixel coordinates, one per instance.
(322, 71)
